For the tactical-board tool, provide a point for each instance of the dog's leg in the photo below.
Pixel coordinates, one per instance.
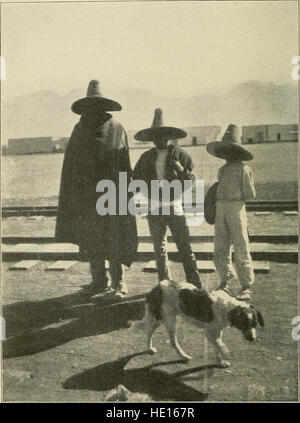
(169, 320)
(151, 324)
(215, 337)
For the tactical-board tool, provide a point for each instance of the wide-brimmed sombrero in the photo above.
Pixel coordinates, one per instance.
(229, 146)
(95, 100)
(159, 131)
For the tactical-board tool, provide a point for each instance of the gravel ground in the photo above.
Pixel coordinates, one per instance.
(63, 346)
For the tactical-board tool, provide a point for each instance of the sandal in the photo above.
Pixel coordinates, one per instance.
(244, 295)
(121, 290)
(226, 289)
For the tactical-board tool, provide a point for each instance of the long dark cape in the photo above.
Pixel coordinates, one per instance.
(94, 154)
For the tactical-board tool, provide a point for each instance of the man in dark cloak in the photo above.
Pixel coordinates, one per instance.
(97, 150)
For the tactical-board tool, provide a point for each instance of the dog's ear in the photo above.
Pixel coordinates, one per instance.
(260, 319)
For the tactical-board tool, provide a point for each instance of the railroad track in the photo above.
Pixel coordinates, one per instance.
(202, 251)
(261, 238)
(267, 205)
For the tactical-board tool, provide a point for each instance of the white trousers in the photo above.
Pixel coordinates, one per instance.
(231, 229)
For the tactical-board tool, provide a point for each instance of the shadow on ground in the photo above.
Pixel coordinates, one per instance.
(158, 384)
(71, 316)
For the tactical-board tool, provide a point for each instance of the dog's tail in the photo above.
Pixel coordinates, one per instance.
(153, 306)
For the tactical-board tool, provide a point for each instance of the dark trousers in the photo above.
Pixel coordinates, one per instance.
(98, 270)
(158, 228)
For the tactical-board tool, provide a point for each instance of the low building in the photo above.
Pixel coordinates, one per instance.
(30, 145)
(201, 135)
(269, 133)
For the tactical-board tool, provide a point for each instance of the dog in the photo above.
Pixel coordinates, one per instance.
(211, 311)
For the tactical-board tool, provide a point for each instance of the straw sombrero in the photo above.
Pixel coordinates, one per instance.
(94, 100)
(158, 130)
(230, 146)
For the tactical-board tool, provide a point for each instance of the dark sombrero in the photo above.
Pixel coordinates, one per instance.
(94, 100)
(230, 146)
(159, 131)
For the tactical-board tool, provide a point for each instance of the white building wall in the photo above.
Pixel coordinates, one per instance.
(204, 134)
(269, 133)
(282, 133)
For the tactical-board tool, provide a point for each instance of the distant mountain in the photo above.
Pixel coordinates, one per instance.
(46, 113)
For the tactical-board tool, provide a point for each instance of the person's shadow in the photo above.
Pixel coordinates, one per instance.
(36, 326)
(158, 384)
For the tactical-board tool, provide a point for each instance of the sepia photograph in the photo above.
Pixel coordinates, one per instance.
(149, 189)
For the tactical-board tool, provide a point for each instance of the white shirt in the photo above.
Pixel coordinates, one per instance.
(161, 163)
(160, 166)
(235, 182)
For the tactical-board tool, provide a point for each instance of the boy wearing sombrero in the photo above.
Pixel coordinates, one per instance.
(235, 186)
(167, 162)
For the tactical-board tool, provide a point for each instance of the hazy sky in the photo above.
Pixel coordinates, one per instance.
(172, 48)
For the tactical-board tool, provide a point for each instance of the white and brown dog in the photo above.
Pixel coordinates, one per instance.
(211, 311)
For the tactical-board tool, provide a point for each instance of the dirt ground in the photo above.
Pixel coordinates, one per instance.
(274, 224)
(65, 346)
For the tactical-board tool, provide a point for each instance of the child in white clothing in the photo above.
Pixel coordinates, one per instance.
(235, 186)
